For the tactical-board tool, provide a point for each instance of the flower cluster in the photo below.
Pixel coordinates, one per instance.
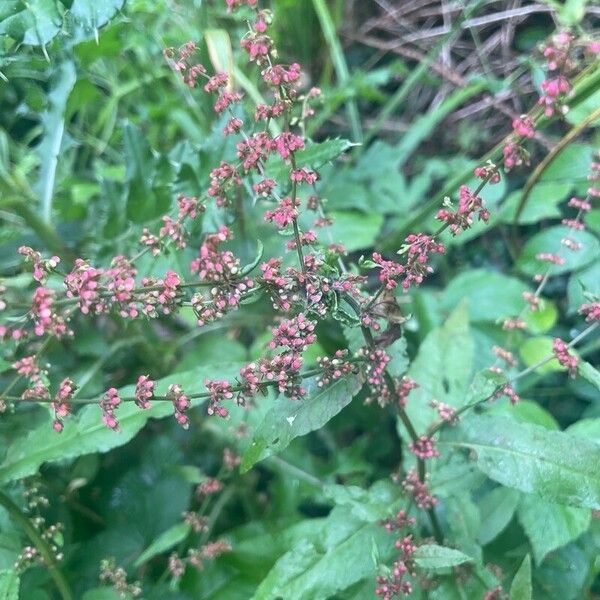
(461, 219)
(564, 357)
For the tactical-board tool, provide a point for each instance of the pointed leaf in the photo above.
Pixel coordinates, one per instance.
(432, 556)
(520, 588)
(553, 464)
(291, 419)
(165, 541)
(549, 525)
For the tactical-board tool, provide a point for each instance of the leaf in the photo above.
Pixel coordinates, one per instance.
(314, 155)
(535, 349)
(53, 122)
(218, 43)
(432, 556)
(491, 296)
(549, 525)
(353, 229)
(292, 564)
(588, 428)
(562, 575)
(35, 23)
(542, 203)
(588, 372)
(464, 520)
(442, 368)
(9, 585)
(291, 419)
(526, 411)
(497, 509)
(329, 571)
(553, 464)
(370, 505)
(90, 15)
(585, 281)
(102, 593)
(542, 319)
(85, 433)
(165, 541)
(520, 588)
(549, 240)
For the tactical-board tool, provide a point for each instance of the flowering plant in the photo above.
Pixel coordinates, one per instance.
(324, 341)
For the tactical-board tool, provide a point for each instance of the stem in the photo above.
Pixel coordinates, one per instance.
(299, 246)
(40, 543)
(412, 432)
(196, 396)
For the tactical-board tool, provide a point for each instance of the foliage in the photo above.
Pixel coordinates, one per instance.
(406, 404)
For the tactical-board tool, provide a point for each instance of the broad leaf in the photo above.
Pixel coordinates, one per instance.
(313, 156)
(370, 505)
(291, 419)
(553, 464)
(9, 585)
(520, 588)
(442, 369)
(317, 555)
(432, 557)
(85, 433)
(549, 526)
(549, 240)
(497, 509)
(165, 541)
(491, 296)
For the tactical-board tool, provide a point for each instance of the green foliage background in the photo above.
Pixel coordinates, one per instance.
(97, 138)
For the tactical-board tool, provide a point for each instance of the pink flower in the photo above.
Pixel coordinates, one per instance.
(285, 213)
(562, 354)
(144, 391)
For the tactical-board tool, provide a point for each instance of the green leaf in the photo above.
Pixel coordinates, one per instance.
(291, 419)
(497, 509)
(536, 349)
(588, 428)
(520, 588)
(542, 203)
(102, 593)
(292, 564)
(442, 368)
(85, 433)
(553, 464)
(549, 525)
(165, 541)
(586, 281)
(370, 505)
(9, 585)
(526, 411)
(321, 551)
(464, 521)
(549, 240)
(314, 156)
(491, 296)
(432, 557)
(90, 15)
(588, 372)
(35, 23)
(53, 122)
(353, 229)
(542, 319)
(218, 43)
